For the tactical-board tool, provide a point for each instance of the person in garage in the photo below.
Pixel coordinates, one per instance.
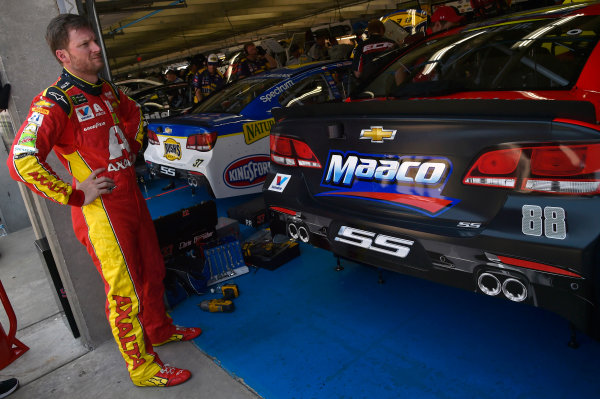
(253, 62)
(366, 52)
(445, 18)
(208, 80)
(95, 131)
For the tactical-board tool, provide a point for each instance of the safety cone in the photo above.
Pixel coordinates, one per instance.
(10, 347)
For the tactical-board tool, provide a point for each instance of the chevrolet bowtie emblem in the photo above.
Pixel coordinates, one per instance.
(377, 134)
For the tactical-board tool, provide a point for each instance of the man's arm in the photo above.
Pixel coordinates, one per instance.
(198, 94)
(130, 115)
(271, 61)
(26, 162)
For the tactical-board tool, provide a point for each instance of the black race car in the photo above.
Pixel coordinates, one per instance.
(491, 184)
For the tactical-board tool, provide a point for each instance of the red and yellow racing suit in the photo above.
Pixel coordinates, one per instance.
(93, 126)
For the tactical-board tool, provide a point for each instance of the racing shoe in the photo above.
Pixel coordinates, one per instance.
(166, 377)
(182, 334)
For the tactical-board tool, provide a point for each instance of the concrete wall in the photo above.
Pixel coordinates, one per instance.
(30, 68)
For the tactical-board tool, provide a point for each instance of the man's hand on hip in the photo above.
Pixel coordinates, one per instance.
(93, 187)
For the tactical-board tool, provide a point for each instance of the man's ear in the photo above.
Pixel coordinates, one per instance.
(62, 55)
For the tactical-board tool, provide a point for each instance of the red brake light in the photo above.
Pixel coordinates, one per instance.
(281, 145)
(499, 162)
(201, 141)
(553, 169)
(292, 152)
(557, 161)
(152, 137)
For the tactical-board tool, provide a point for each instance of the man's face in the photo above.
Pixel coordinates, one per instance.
(443, 25)
(251, 50)
(83, 55)
(171, 77)
(211, 68)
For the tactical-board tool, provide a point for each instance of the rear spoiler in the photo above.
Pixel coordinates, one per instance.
(583, 111)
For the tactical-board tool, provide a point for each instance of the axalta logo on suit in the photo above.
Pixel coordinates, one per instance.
(125, 327)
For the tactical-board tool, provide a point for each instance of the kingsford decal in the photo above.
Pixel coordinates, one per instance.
(257, 130)
(247, 172)
(411, 181)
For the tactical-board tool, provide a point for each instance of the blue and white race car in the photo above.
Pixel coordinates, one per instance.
(224, 142)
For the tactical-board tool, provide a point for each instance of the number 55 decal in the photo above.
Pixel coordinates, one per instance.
(552, 224)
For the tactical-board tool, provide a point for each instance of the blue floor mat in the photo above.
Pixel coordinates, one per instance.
(305, 330)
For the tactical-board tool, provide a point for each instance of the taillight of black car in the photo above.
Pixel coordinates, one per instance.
(561, 168)
(201, 141)
(292, 152)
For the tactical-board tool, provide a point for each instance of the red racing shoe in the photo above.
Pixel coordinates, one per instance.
(182, 334)
(166, 377)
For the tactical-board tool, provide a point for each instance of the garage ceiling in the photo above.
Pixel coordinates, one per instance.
(141, 33)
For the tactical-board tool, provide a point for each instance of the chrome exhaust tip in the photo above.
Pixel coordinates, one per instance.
(292, 231)
(514, 290)
(303, 233)
(489, 284)
(192, 181)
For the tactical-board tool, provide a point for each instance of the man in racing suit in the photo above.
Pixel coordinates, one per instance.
(96, 130)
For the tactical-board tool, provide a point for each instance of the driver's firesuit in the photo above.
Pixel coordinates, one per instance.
(93, 126)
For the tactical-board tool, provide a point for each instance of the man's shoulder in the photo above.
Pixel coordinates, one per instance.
(55, 95)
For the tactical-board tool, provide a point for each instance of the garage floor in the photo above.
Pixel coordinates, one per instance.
(305, 330)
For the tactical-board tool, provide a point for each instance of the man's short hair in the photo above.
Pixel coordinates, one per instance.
(376, 27)
(57, 32)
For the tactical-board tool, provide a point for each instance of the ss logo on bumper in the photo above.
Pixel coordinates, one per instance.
(167, 171)
(376, 242)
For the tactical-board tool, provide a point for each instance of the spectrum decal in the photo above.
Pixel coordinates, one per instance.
(247, 172)
(410, 181)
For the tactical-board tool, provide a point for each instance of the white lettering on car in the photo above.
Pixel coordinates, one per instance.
(382, 243)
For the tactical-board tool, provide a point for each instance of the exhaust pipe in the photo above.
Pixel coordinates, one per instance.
(303, 233)
(192, 181)
(514, 290)
(292, 231)
(489, 284)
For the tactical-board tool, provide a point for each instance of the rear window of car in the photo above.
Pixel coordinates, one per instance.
(537, 54)
(234, 98)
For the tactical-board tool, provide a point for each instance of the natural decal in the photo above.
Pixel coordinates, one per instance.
(247, 172)
(172, 150)
(257, 130)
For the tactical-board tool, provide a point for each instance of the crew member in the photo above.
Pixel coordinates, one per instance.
(96, 131)
(208, 80)
(368, 50)
(253, 62)
(444, 18)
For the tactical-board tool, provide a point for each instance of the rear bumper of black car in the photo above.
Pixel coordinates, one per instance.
(493, 260)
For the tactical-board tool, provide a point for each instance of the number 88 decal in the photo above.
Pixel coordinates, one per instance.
(551, 222)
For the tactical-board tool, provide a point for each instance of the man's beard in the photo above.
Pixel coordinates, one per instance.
(88, 66)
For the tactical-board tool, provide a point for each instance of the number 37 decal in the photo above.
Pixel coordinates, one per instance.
(549, 222)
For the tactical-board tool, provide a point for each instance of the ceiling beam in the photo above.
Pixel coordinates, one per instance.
(110, 7)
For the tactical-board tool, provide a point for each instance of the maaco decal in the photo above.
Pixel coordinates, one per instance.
(414, 182)
(247, 172)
